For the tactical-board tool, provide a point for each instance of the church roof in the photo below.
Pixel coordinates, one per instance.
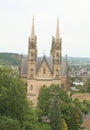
(24, 66)
(48, 60)
(64, 67)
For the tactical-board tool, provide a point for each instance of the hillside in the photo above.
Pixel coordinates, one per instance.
(14, 59)
(9, 59)
(79, 61)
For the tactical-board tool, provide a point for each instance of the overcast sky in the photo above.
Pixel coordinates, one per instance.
(16, 20)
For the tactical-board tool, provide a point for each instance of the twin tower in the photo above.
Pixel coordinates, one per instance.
(43, 71)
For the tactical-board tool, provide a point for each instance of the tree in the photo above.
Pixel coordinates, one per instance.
(83, 106)
(74, 118)
(60, 105)
(31, 119)
(63, 125)
(87, 104)
(46, 95)
(55, 114)
(43, 100)
(13, 100)
(77, 118)
(7, 123)
(87, 86)
(51, 101)
(12, 95)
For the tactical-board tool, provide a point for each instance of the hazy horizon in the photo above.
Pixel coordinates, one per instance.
(16, 21)
(45, 55)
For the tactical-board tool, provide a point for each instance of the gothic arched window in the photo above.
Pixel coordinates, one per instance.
(44, 70)
(31, 56)
(57, 56)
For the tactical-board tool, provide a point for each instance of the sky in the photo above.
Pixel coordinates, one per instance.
(74, 20)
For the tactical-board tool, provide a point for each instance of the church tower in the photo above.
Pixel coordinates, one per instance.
(32, 54)
(56, 52)
(32, 61)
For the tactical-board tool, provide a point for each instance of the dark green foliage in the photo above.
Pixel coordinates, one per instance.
(43, 100)
(87, 104)
(72, 114)
(59, 99)
(13, 101)
(7, 123)
(74, 119)
(60, 105)
(55, 114)
(31, 119)
(87, 86)
(46, 95)
(9, 59)
(43, 126)
(59, 93)
(51, 102)
(82, 105)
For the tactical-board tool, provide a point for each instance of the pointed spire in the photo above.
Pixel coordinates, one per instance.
(33, 29)
(57, 30)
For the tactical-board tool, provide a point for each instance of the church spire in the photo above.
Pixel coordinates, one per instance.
(57, 31)
(33, 29)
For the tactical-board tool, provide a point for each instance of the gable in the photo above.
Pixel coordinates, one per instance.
(44, 70)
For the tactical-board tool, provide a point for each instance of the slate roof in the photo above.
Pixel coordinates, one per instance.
(49, 60)
(64, 67)
(24, 66)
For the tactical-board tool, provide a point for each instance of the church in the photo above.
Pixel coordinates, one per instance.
(43, 71)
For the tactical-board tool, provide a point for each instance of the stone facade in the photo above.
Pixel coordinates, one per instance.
(44, 71)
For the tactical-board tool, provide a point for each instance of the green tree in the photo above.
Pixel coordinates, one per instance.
(83, 106)
(51, 101)
(55, 114)
(77, 118)
(13, 100)
(87, 104)
(87, 86)
(31, 119)
(74, 118)
(63, 125)
(7, 123)
(43, 100)
(60, 102)
(12, 95)
(46, 95)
